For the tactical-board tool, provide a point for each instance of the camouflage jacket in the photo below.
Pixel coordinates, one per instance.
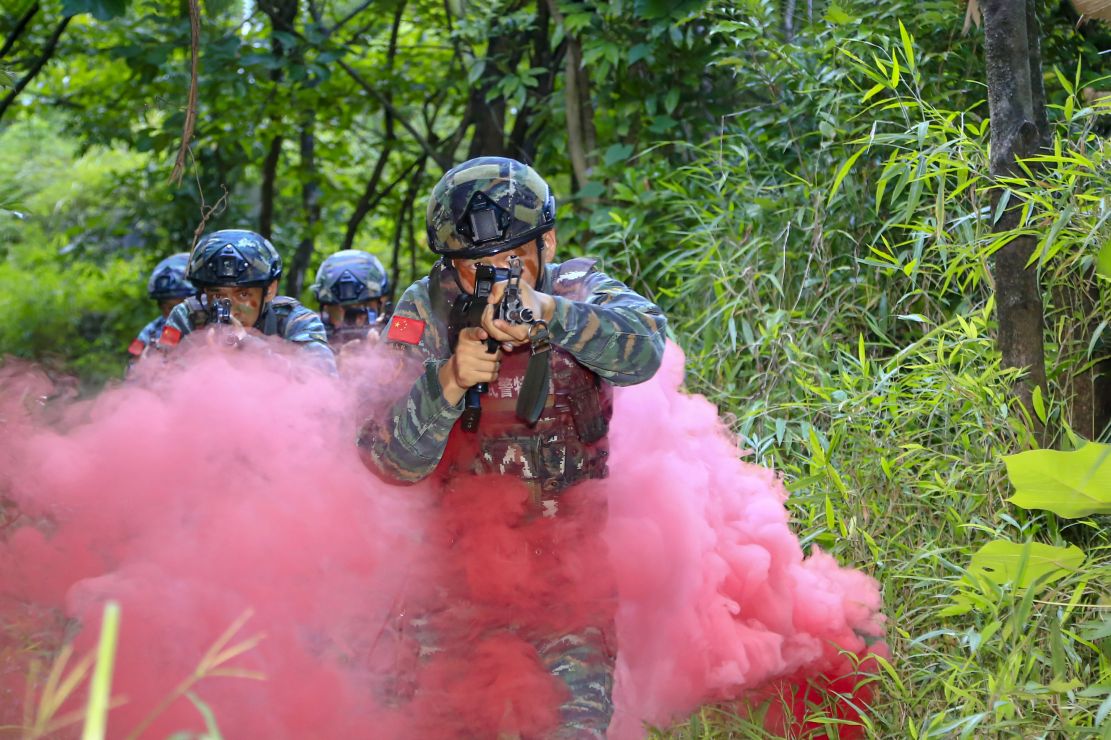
(614, 333)
(284, 317)
(147, 336)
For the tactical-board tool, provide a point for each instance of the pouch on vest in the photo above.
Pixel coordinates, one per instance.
(586, 410)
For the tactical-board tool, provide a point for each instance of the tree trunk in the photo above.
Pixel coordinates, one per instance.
(523, 138)
(282, 14)
(269, 174)
(310, 202)
(488, 116)
(789, 20)
(580, 108)
(1017, 106)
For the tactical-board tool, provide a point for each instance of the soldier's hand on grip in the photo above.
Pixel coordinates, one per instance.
(470, 365)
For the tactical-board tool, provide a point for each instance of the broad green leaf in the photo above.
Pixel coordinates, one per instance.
(1024, 564)
(837, 16)
(1070, 484)
(617, 153)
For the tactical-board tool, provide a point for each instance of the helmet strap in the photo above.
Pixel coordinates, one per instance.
(539, 261)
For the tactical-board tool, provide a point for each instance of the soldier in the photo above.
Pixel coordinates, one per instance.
(353, 290)
(237, 273)
(168, 286)
(598, 334)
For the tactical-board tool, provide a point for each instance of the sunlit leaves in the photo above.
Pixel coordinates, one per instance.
(1070, 484)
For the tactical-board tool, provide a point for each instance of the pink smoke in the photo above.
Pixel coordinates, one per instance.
(223, 482)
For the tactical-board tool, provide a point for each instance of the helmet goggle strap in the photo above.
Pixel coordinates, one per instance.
(347, 287)
(483, 220)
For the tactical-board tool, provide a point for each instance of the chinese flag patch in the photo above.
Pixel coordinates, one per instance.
(406, 330)
(136, 347)
(170, 337)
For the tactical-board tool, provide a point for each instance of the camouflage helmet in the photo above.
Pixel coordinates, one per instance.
(168, 278)
(488, 205)
(350, 276)
(234, 257)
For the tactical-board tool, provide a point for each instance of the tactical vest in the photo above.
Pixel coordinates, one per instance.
(568, 442)
(271, 323)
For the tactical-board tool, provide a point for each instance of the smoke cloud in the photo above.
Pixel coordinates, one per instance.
(222, 488)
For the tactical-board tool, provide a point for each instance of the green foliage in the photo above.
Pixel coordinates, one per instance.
(76, 314)
(1070, 484)
(100, 9)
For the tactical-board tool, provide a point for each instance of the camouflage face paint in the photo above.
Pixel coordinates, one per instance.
(530, 265)
(246, 303)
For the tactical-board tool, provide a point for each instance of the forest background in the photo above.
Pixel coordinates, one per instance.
(803, 186)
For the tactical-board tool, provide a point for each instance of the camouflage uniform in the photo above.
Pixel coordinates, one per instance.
(167, 281)
(148, 335)
(602, 334)
(283, 317)
(599, 326)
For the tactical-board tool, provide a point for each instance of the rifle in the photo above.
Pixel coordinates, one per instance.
(467, 312)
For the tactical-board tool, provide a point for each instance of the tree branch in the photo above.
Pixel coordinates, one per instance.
(347, 18)
(367, 204)
(405, 217)
(47, 53)
(20, 27)
(191, 104)
(389, 107)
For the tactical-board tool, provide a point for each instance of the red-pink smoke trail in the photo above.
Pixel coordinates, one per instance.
(716, 600)
(227, 481)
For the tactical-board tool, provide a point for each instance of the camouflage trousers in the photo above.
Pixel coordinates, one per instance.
(584, 663)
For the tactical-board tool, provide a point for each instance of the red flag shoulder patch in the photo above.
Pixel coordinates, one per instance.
(403, 329)
(136, 347)
(170, 336)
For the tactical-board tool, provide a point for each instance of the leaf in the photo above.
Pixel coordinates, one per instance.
(212, 730)
(638, 52)
(1039, 403)
(1103, 261)
(837, 16)
(841, 173)
(100, 9)
(617, 153)
(591, 190)
(1023, 565)
(1070, 484)
(671, 100)
(96, 715)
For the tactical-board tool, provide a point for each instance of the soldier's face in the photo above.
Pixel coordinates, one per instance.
(167, 305)
(530, 262)
(336, 312)
(246, 303)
